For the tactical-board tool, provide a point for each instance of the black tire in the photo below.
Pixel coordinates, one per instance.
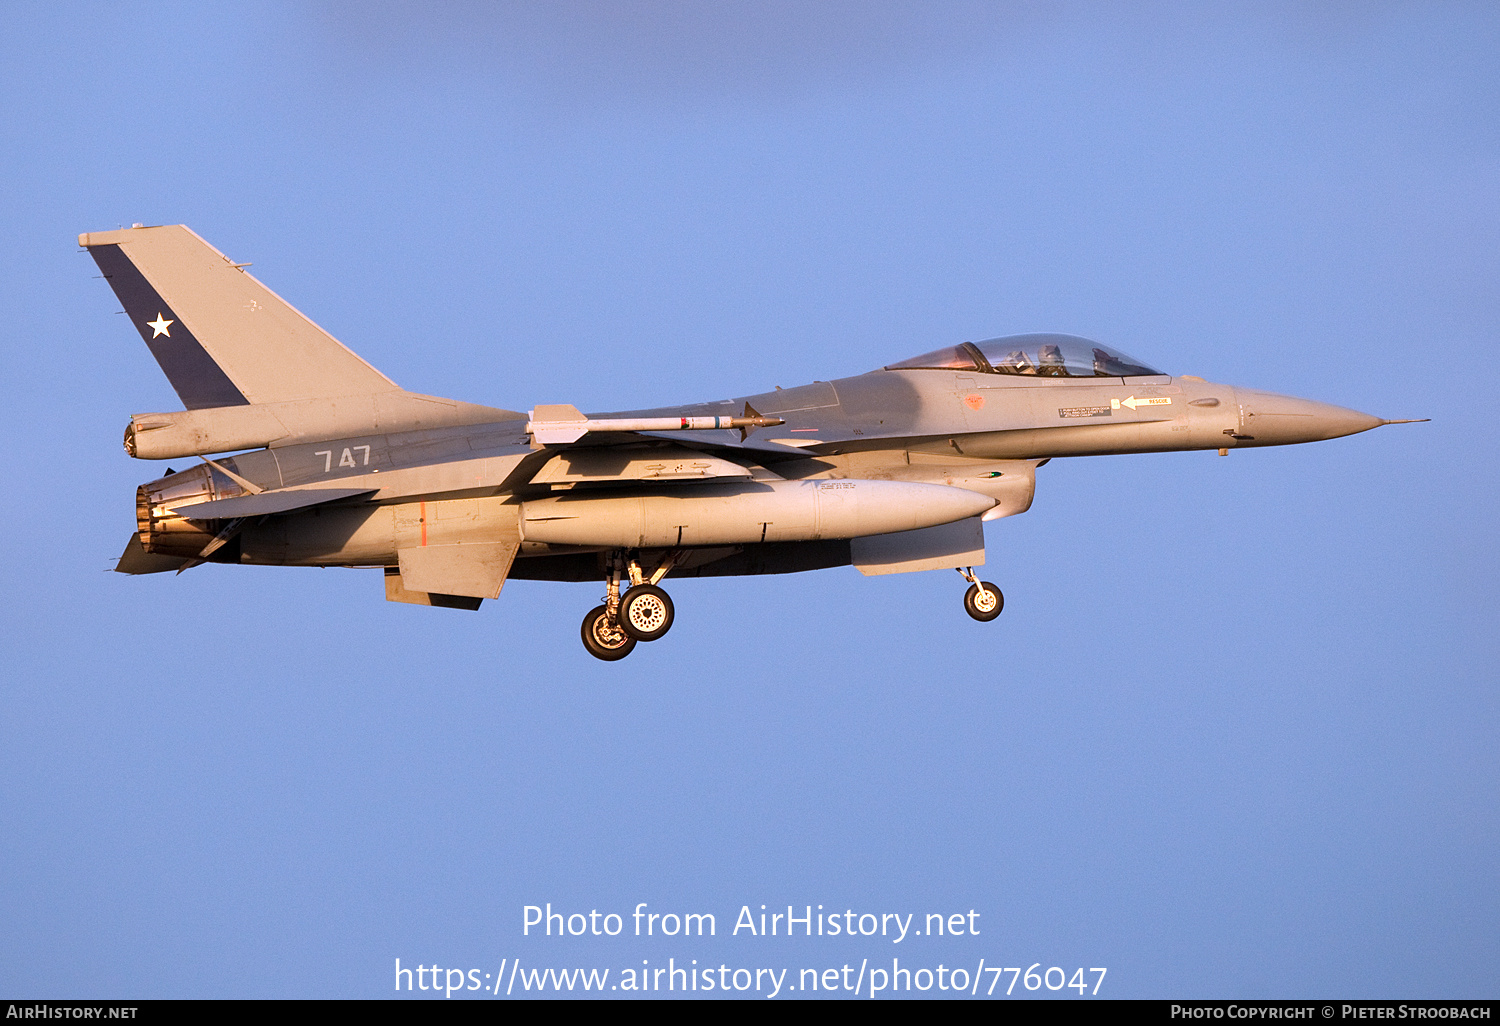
(983, 608)
(646, 612)
(605, 640)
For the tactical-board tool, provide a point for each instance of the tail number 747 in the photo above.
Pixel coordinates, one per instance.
(345, 460)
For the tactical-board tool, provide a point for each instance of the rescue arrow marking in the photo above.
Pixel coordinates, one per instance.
(1133, 402)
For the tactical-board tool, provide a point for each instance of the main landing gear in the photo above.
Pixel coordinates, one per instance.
(983, 601)
(603, 636)
(612, 630)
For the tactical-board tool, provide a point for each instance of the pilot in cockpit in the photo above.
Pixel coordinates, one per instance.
(1050, 362)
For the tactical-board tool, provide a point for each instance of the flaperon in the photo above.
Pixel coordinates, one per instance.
(891, 471)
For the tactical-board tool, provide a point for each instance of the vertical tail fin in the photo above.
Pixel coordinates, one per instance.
(221, 337)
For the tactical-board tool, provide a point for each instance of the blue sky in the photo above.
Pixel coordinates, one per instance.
(1234, 734)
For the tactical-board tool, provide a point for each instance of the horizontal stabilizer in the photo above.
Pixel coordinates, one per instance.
(136, 560)
(267, 503)
(474, 569)
(945, 547)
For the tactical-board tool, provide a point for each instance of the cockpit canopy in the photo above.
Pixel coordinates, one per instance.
(1040, 355)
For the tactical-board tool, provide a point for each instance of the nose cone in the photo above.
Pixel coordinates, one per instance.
(1272, 419)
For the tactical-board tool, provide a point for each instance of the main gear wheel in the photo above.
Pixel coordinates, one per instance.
(646, 612)
(604, 637)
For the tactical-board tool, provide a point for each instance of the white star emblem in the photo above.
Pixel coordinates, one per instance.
(159, 326)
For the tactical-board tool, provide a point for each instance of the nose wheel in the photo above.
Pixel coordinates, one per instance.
(643, 613)
(983, 601)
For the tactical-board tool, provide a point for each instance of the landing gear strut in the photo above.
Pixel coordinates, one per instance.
(645, 612)
(983, 601)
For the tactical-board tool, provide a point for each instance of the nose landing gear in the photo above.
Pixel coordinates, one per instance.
(983, 601)
(645, 612)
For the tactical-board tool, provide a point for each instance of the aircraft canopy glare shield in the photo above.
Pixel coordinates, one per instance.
(311, 457)
(1036, 355)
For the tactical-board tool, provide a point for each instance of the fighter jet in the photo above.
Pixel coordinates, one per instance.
(311, 457)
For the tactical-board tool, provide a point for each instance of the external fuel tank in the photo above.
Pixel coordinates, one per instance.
(746, 513)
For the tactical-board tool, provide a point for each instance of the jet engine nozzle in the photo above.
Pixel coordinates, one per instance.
(171, 534)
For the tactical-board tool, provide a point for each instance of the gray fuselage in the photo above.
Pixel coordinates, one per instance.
(982, 432)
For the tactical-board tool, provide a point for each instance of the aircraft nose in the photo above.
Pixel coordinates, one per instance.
(1273, 419)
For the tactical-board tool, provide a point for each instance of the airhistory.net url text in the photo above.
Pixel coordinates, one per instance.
(865, 980)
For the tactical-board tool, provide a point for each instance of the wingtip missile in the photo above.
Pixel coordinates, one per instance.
(561, 425)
